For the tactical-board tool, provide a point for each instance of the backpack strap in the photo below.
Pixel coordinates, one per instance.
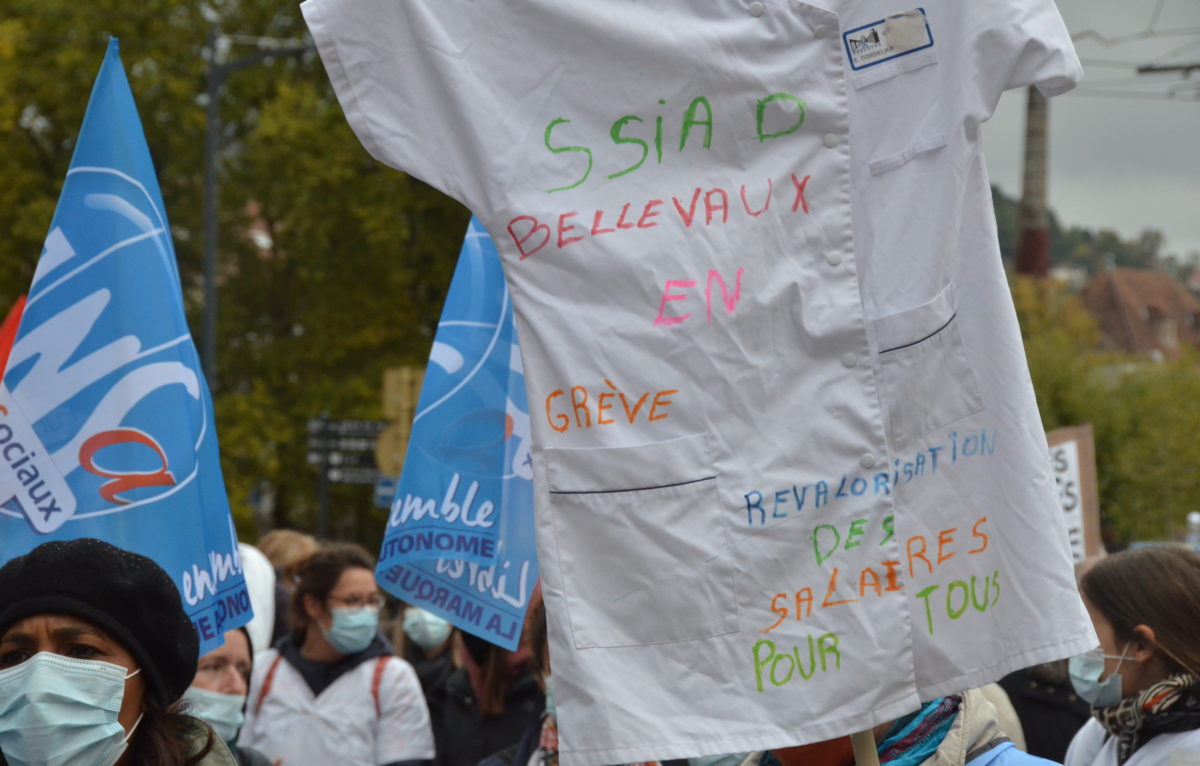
(980, 749)
(377, 680)
(266, 687)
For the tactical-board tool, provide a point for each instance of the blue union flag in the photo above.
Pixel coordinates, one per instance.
(106, 424)
(460, 539)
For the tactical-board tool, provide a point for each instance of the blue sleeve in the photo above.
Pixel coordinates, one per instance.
(1007, 754)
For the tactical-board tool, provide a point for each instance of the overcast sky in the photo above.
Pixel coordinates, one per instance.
(1125, 163)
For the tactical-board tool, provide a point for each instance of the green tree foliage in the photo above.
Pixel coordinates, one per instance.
(1078, 246)
(50, 51)
(331, 266)
(1145, 414)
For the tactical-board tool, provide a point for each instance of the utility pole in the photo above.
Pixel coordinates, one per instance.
(212, 140)
(1033, 244)
(1185, 69)
(323, 482)
(214, 80)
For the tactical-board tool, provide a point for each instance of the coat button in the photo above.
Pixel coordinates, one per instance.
(849, 360)
(821, 31)
(831, 140)
(868, 460)
(833, 259)
(756, 9)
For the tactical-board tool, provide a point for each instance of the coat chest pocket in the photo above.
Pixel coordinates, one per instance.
(928, 380)
(641, 543)
(895, 79)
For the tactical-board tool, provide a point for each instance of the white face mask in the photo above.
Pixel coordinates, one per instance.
(62, 711)
(223, 712)
(1085, 671)
(425, 629)
(352, 630)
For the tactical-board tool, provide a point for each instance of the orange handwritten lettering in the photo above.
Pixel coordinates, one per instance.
(660, 401)
(981, 535)
(833, 578)
(874, 582)
(917, 555)
(945, 536)
(581, 404)
(565, 422)
(781, 611)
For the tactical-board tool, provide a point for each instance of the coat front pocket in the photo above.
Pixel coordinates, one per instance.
(927, 377)
(641, 543)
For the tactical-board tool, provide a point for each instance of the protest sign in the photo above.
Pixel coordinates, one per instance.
(106, 424)
(459, 540)
(1073, 457)
(790, 478)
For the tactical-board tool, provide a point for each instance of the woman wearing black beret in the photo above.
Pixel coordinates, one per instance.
(95, 652)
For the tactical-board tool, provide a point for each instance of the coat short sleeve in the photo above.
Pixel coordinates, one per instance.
(403, 732)
(415, 84)
(1014, 44)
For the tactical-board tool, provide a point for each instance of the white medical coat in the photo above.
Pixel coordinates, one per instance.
(790, 474)
(340, 725)
(1092, 745)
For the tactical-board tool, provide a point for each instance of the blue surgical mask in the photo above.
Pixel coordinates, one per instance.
(1085, 671)
(223, 712)
(352, 630)
(425, 629)
(59, 710)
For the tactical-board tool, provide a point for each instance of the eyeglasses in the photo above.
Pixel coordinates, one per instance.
(373, 601)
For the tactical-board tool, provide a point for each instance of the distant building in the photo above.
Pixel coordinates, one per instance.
(1074, 277)
(1143, 312)
(1193, 280)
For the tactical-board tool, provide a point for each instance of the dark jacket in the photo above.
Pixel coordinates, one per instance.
(462, 736)
(432, 672)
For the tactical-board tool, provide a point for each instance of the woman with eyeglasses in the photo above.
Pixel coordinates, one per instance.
(331, 691)
(1142, 682)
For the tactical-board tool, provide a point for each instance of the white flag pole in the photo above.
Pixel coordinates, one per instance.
(863, 743)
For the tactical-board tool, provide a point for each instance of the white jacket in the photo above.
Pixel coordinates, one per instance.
(341, 724)
(1093, 747)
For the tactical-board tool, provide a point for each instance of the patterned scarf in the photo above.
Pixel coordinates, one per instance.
(1171, 705)
(548, 742)
(916, 736)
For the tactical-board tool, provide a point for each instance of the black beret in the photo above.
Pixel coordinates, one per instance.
(124, 593)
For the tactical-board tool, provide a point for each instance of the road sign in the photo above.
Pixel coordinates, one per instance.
(341, 457)
(351, 459)
(369, 428)
(385, 490)
(342, 443)
(352, 475)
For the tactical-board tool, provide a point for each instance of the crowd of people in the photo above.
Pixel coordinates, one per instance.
(99, 665)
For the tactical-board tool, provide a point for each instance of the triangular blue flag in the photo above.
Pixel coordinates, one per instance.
(460, 536)
(106, 422)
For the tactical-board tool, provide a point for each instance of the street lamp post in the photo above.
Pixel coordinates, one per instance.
(214, 80)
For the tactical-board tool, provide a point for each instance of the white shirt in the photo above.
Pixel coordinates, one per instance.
(341, 724)
(761, 366)
(1092, 746)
